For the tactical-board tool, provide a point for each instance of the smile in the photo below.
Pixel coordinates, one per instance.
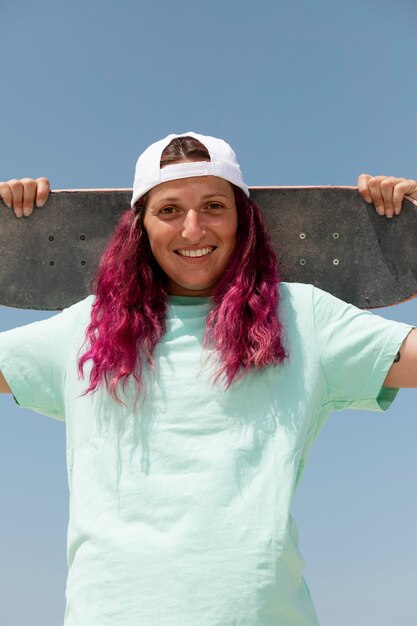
(196, 253)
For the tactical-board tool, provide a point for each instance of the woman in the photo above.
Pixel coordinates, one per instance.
(193, 385)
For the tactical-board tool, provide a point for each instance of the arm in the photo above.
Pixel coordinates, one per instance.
(4, 387)
(387, 193)
(403, 373)
(21, 196)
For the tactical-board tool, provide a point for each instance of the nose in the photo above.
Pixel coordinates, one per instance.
(192, 228)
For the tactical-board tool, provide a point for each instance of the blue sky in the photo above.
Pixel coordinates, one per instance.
(307, 93)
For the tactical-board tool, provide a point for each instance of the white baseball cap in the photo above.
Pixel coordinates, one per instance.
(223, 163)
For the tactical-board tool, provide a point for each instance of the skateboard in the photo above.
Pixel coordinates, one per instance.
(327, 236)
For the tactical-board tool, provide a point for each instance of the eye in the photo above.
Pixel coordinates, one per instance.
(215, 206)
(167, 210)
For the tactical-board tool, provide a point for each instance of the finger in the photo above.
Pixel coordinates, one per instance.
(400, 190)
(43, 192)
(363, 187)
(6, 194)
(29, 194)
(16, 188)
(411, 188)
(387, 190)
(374, 185)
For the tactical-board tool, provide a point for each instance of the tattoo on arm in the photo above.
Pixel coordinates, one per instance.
(398, 357)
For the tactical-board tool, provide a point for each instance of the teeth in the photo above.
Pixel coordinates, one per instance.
(201, 252)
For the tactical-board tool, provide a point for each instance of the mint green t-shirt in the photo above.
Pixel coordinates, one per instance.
(180, 504)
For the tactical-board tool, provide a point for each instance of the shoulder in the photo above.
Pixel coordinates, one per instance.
(304, 296)
(309, 308)
(295, 299)
(295, 291)
(80, 311)
(81, 305)
(74, 320)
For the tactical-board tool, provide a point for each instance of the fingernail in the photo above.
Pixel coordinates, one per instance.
(26, 212)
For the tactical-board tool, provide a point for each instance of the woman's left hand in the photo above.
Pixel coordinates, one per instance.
(386, 192)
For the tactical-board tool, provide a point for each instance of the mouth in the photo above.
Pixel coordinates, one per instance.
(198, 252)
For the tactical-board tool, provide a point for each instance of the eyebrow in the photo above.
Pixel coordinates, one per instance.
(206, 197)
(214, 195)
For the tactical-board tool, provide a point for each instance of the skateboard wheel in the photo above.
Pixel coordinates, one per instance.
(335, 261)
(335, 235)
(303, 261)
(302, 235)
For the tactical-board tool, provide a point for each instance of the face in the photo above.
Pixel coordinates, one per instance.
(191, 225)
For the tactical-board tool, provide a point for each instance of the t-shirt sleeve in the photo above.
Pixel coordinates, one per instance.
(34, 359)
(356, 350)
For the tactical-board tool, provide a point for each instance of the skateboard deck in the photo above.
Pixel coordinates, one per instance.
(327, 236)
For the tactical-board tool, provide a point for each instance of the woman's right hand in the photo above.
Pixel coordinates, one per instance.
(22, 195)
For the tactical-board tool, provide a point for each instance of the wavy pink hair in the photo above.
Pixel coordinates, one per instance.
(128, 314)
(243, 325)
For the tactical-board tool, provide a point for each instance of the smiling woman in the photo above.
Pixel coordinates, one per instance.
(191, 224)
(181, 501)
(192, 231)
(194, 210)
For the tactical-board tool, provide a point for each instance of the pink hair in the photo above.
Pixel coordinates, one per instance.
(243, 325)
(128, 314)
